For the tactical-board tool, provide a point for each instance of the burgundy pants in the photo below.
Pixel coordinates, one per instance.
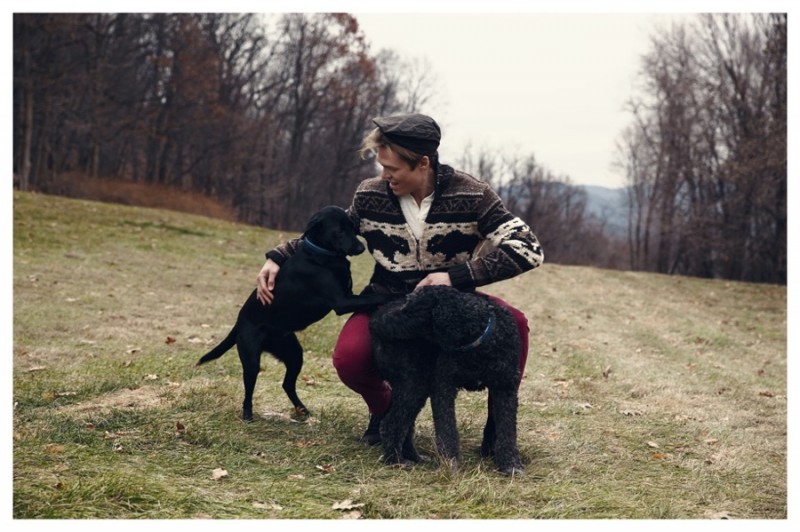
(352, 358)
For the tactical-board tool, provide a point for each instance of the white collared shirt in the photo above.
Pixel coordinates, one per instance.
(415, 214)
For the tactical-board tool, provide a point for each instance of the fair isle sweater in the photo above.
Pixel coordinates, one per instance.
(465, 214)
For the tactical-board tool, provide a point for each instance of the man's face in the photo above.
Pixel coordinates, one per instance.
(402, 179)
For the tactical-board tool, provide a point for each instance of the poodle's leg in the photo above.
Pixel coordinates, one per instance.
(506, 454)
(443, 406)
(416, 403)
(397, 426)
(489, 433)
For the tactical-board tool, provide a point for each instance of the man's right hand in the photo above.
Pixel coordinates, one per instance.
(266, 282)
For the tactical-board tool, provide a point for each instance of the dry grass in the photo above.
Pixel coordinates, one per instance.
(645, 396)
(126, 192)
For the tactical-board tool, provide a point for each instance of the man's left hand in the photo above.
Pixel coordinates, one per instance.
(438, 278)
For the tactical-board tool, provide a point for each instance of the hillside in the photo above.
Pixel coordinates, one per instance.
(645, 396)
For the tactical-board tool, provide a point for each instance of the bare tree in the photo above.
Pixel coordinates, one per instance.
(706, 153)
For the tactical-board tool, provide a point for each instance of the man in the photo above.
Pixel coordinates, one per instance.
(423, 222)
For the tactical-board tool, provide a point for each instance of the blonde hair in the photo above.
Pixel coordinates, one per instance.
(375, 139)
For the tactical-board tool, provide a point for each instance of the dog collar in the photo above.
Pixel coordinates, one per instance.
(482, 338)
(316, 249)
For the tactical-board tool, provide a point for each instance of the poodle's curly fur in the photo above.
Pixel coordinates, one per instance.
(434, 342)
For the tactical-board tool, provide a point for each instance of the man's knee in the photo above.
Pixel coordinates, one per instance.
(353, 348)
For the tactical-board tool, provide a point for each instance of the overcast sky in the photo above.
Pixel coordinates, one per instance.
(551, 85)
(544, 77)
(539, 77)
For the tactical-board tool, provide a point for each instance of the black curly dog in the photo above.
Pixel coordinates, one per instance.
(434, 342)
(311, 283)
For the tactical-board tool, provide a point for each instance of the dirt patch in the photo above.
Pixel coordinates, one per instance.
(142, 398)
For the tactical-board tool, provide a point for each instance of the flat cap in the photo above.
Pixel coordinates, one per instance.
(416, 132)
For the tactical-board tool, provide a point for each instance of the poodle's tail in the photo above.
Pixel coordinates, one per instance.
(222, 348)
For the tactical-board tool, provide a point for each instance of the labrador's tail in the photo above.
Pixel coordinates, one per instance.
(221, 348)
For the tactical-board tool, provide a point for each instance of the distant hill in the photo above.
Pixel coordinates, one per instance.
(609, 204)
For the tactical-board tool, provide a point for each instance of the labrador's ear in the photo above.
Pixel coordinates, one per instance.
(313, 222)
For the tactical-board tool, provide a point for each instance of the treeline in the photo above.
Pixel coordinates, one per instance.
(705, 156)
(263, 113)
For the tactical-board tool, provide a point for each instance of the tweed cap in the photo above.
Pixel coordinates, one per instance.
(416, 132)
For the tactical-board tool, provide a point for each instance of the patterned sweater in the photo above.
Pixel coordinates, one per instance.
(465, 214)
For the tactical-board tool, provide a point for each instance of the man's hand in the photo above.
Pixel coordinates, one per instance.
(266, 282)
(438, 278)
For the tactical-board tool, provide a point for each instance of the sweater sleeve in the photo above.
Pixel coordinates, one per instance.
(516, 248)
(282, 252)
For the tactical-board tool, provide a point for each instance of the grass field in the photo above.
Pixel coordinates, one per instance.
(645, 396)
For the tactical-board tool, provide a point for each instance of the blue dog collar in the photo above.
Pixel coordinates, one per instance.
(482, 338)
(316, 249)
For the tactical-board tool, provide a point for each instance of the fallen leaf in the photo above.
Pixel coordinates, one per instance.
(36, 368)
(267, 506)
(355, 514)
(218, 474)
(712, 441)
(628, 412)
(54, 448)
(346, 504)
(281, 416)
(170, 340)
(580, 408)
(659, 456)
(327, 468)
(652, 444)
(180, 428)
(150, 377)
(766, 393)
(133, 350)
(607, 372)
(309, 381)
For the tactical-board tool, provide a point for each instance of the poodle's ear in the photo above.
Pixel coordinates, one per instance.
(407, 319)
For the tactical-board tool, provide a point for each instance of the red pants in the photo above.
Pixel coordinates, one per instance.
(352, 358)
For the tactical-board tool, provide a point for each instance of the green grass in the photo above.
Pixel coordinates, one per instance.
(645, 396)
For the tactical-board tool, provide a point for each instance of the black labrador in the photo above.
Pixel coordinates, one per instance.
(311, 283)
